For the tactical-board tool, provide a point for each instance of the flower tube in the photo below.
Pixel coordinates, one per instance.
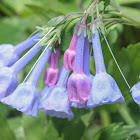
(104, 88)
(54, 101)
(26, 97)
(9, 54)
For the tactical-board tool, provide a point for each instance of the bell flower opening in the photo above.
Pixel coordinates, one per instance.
(54, 101)
(104, 88)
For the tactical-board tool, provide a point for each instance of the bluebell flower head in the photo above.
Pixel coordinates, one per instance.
(25, 99)
(8, 75)
(135, 91)
(54, 101)
(104, 91)
(104, 88)
(8, 81)
(9, 54)
(78, 83)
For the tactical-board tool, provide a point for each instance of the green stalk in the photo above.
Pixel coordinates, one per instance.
(124, 112)
(125, 13)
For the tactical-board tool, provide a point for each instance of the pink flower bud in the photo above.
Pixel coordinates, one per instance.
(69, 55)
(52, 72)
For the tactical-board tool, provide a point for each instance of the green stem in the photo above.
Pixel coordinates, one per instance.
(124, 112)
(125, 13)
(105, 117)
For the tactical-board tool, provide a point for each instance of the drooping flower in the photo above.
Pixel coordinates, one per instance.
(135, 91)
(25, 98)
(8, 75)
(52, 72)
(78, 83)
(9, 54)
(69, 55)
(54, 101)
(86, 71)
(104, 88)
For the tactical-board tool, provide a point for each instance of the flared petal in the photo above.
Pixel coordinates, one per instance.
(55, 103)
(104, 91)
(25, 99)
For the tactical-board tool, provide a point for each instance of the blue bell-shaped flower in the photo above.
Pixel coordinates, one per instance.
(8, 75)
(26, 97)
(135, 91)
(9, 54)
(54, 101)
(104, 88)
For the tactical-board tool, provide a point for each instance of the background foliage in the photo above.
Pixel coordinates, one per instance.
(18, 19)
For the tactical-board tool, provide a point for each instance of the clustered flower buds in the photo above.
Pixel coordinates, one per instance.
(63, 90)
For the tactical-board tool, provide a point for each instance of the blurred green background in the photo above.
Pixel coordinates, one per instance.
(18, 19)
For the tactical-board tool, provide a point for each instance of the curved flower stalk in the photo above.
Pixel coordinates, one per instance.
(54, 101)
(135, 91)
(9, 54)
(104, 88)
(69, 55)
(26, 97)
(52, 72)
(78, 83)
(8, 75)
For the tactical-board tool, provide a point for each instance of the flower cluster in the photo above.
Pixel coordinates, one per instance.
(80, 89)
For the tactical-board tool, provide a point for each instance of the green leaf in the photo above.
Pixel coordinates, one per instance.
(5, 131)
(16, 125)
(35, 129)
(118, 132)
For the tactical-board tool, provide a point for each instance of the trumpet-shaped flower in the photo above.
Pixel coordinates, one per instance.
(86, 71)
(136, 93)
(104, 88)
(26, 97)
(54, 101)
(78, 83)
(52, 72)
(69, 55)
(8, 75)
(9, 54)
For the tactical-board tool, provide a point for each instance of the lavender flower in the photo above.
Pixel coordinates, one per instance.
(26, 97)
(78, 83)
(136, 93)
(104, 88)
(86, 71)
(9, 54)
(54, 101)
(51, 73)
(69, 55)
(8, 78)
